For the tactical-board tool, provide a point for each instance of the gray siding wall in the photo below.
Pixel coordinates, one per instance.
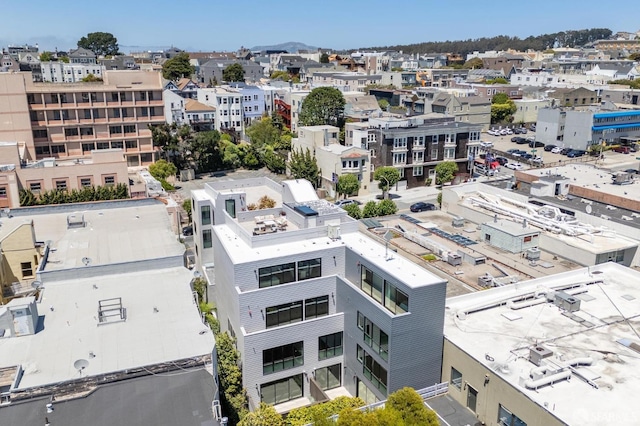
(415, 338)
(307, 331)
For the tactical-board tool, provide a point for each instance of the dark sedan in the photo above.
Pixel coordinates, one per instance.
(422, 207)
(549, 147)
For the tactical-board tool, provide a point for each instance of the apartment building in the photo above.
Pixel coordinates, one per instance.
(415, 145)
(68, 121)
(228, 105)
(318, 308)
(105, 167)
(61, 72)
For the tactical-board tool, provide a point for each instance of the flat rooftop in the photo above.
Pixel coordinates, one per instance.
(162, 324)
(117, 232)
(487, 328)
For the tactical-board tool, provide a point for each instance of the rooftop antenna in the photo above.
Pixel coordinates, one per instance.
(80, 365)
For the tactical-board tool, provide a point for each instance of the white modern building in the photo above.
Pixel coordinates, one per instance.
(318, 308)
(228, 105)
(61, 72)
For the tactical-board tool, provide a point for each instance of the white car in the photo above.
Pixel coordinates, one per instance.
(504, 132)
(556, 150)
(493, 132)
(509, 131)
(486, 144)
(514, 166)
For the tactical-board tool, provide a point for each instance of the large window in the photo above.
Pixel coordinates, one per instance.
(26, 268)
(372, 284)
(395, 300)
(330, 345)
(329, 377)
(375, 338)
(205, 214)
(281, 390)
(282, 357)
(375, 373)
(507, 418)
(316, 307)
(284, 314)
(276, 275)
(456, 378)
(309, 269)
(375, 286)
(207, 241)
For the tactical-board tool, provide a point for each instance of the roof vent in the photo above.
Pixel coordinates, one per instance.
(566, 301)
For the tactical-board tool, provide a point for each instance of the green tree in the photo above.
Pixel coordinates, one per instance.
(318, 414)
(91, 79)
(178, 67)
(386, 177)
(273, 160)
(102, 44)
(283, 143)
(303, 165)
(353, 210)
(502, 108)
(473, 64)
(410, 405)
(370, 209)
(635, 56)
(186, 206)
(205, 151)
(387, 207)
(64, 59)
(265, 415)
(46, 57)
(279, 74)
(348, 184)
(162, 169)
(445, 172)
(439, 199)
(233, 72)
(324, 58)
(323, 106)
(383, 104)
(497, 80)
(263, 132)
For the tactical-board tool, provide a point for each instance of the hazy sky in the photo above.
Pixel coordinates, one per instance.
(227, 25)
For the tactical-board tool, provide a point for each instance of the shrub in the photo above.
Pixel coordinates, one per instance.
(386, 207)
(430, 257)
(353, 210)
(305, 415)
(266, 203)
(370, 209)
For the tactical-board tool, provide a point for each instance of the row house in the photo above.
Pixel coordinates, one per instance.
(415, 145)
(71, 120)
(228, 105)
(61, 72)
(184, 87)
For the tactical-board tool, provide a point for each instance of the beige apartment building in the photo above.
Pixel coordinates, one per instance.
(19, 258)
(98, 168)
(69, 120)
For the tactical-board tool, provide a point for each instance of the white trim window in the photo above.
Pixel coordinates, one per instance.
(399, 158)
(449, 153)
(418, 171)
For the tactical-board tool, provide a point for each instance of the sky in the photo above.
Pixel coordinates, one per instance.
(207, 25)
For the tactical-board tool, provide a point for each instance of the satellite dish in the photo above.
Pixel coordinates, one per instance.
(86, 261)
(36, 285)
(588, 209)
(80, 365)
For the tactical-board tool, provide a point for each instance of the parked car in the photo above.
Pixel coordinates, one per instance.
(342, 203)
(565, 151)
(526, 156)
(622, 149)
(549, 147)
(576, 153)
(536, 144)
(515, 138)
(523, 130)
(556, 150)
(632, 171)
(532, 127)
(512, 150)
(486, 144)
(187, 230)
(522, 141)
(502, 161)
(537, 160)
(514, 166)
(422, 207)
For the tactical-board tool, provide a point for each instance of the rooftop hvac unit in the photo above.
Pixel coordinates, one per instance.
(533, 254)
(457, 222)
(454, 259)
(333, 232)
(485, 280)
(538, 353)
(567, 302)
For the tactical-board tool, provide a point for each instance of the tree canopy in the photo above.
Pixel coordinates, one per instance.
(233, 72)
(386, 177)
(265, 415)
(102, 44)
(178, 67)
(324, 58)
(409, 404)
(303, 165)
(445, 172)
(323, 106)
(46, 57)
(162, 169)
(570, 38)
(502, 108)
(347, 185)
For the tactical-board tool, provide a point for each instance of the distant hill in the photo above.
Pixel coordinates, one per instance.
(570, 38)
(290, 46)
